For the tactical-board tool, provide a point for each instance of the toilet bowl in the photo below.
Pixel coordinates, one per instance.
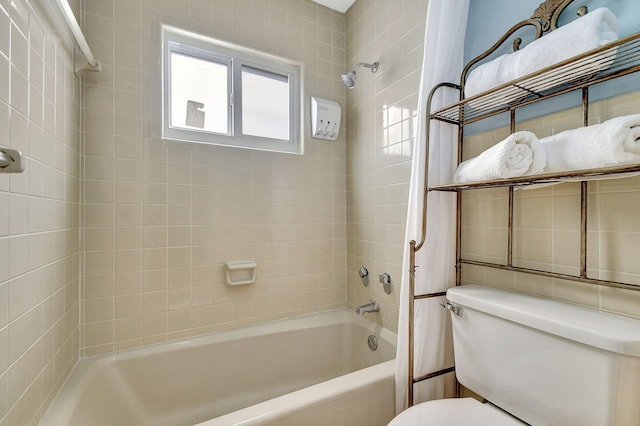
(454, 412)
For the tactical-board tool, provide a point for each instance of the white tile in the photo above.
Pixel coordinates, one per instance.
(18, 214)
(128, 12)
(19, 132)
(19, 51)
(19, 13)
(5, 118)
(5, 31)
(101, 7)
(36, 35)
(36, 70)
(4, 295)
(19, 91)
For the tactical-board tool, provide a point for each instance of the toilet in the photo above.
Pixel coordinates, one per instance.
(536, 361)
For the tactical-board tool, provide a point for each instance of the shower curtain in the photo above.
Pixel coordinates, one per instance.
(442, 61)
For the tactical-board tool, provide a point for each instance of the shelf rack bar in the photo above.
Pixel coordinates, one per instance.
(584, 194)
(623, 56)
(512, 129)
(510, 228)
(575, 175)
(584, 191)
(549, 274)
(414, 247)
(434, 374)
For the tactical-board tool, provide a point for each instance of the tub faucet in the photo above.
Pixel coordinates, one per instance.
(372, 306)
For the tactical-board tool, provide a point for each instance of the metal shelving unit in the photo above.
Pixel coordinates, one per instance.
(619, 58)
(577, 74)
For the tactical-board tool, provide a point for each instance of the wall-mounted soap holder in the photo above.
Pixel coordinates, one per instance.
(241, 272)
(325, 119)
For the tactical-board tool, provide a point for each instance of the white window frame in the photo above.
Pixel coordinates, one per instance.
(202, 47)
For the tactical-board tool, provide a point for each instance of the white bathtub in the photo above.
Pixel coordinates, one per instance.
(315, 369)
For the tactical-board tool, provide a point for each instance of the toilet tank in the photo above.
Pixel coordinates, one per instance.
(547, 362)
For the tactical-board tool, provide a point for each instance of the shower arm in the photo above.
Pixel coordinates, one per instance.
(373, 67)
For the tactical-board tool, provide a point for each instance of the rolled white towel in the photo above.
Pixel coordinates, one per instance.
(612, 143)
(518, 155)
(588, 32)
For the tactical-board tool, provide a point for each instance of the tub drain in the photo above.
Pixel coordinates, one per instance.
(372, 341)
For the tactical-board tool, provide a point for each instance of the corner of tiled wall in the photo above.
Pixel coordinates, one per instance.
(39, 221)
(381, 117)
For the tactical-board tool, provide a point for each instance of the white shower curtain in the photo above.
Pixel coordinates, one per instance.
(442, 62)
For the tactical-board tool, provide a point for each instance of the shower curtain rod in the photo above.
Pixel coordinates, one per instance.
(92, 64)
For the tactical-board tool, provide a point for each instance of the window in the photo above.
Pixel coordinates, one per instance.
(227, 95)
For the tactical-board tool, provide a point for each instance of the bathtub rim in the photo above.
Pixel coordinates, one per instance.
(273, 409)
(62, 406)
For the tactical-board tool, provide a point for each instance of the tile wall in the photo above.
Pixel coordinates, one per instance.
(161, 217)
(39, 219)
(381, 114)
(380, 130)
(547, 225)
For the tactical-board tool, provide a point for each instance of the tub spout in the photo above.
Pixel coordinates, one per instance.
(372, 306)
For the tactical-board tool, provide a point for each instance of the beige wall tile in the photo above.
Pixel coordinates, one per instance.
(182, 208)
(39, 285)
(98, 333)
(620, 300)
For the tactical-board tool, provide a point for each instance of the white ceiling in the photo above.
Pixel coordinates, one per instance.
(339, 5)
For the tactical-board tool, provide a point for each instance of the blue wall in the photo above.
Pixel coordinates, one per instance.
(490, 19)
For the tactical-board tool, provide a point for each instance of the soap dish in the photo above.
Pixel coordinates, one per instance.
(241, 272)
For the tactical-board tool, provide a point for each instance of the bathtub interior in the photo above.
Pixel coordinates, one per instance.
(199, 379)
(263, 367)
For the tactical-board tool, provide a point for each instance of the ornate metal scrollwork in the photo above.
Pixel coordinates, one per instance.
(543, 20)
(516, 44)
(548, 12)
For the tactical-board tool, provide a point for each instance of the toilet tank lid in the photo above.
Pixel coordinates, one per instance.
(578, 323)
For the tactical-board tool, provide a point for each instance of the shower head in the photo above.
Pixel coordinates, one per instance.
(349, 78)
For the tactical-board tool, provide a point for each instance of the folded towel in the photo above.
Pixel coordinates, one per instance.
(588, 32)
(519, 154)
(614, 142)
(491, 74)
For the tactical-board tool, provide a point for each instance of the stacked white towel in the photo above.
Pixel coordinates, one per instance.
(518, 155)
(612, 143)
(588, 32)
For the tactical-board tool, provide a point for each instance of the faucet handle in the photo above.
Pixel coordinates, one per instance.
(364, 275)
(385, 280)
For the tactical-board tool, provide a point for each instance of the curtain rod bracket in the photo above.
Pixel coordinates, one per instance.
(83, 60)
(81, 63)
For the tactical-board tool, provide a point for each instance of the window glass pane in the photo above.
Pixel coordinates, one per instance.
(265, 104)
(199, 94)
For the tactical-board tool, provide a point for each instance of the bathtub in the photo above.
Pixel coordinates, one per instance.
(314, 369)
